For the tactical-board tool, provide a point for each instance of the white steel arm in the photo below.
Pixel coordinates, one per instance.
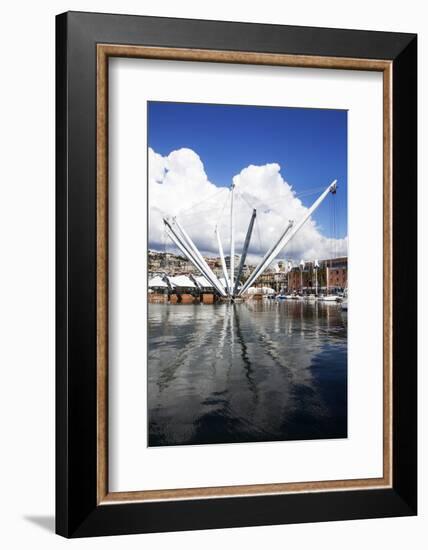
(286, 237)
(232, 240)
(245, 250)
(191, 244)
(266, 260)
(194, 259)
(223, 261)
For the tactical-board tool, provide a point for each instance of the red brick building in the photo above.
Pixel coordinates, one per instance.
(304, 279)
(337, 277)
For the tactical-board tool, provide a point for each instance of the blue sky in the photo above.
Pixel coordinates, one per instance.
(310, 145)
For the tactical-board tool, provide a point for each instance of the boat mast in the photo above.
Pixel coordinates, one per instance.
(316, 266)
(326, 273)
(302, 267)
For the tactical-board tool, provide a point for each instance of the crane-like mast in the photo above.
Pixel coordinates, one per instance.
(223, 261)
(186, 245)
(232, 241)
(267, 259)
(286, 237)
(183, 241)
(245, 250)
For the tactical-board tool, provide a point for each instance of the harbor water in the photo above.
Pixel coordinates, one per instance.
(248, 372)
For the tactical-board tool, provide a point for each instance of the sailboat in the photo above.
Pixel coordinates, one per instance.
(330, 298)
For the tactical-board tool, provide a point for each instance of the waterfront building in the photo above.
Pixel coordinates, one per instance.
(276, 280)
(331, 273)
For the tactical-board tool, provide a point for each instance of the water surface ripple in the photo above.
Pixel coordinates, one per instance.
(254, 371)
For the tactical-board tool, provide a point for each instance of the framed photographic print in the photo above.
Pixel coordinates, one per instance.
(236, 245)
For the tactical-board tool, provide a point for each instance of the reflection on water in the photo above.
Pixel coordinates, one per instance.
(255, 371)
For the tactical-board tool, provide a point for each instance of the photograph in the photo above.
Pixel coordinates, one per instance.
(247, 270)
(212, 221)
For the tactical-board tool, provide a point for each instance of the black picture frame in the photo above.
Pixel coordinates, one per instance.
(78, 513)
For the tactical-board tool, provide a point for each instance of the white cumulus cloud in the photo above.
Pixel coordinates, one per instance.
(179, 186)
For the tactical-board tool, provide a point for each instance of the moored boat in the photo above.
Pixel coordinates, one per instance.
(330, 298)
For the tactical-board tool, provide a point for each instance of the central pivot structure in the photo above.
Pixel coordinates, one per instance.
(231, 288)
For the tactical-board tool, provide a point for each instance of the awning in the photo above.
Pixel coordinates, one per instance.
(157, 282)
